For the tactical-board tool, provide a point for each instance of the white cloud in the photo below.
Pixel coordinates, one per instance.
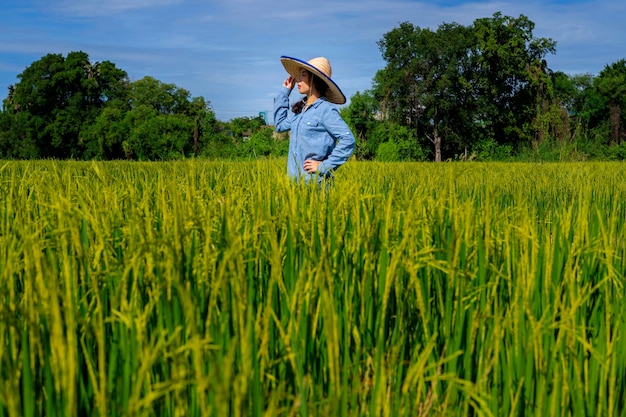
(94, 8)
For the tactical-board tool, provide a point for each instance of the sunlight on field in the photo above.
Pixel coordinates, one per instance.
(222, 289)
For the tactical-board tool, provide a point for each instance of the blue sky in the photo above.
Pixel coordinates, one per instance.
(228, 50)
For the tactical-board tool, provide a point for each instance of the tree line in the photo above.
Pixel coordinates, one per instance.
(482, 91)
(71, 108)
(485, 91)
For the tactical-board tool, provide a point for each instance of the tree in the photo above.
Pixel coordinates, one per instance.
(610, 86)
(155, 120)
(598, 106)
(361, 115)
(458, 85)
(552, 92)
(56, 97)
(161, 120)
(424, 85)
(507, 56)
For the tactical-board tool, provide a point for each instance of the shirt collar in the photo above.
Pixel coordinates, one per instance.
(317, 102)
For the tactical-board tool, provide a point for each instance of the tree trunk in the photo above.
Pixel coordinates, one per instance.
(614, 122)
(196, 135)
(437, 141)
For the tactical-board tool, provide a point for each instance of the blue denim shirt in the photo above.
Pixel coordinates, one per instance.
(318, 133)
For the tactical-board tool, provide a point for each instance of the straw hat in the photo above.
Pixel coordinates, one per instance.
(320, 67)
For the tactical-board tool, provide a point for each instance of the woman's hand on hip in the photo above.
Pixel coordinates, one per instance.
(311, 165)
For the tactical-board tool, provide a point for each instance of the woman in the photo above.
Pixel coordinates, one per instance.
(321, 141)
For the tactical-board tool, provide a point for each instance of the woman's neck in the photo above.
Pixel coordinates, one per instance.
(311, 98)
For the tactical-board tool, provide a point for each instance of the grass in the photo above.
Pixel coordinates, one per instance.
(221, 289)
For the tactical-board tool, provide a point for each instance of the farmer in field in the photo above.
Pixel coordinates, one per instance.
(321, 141)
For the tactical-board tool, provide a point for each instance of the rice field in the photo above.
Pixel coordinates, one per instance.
(198, 288)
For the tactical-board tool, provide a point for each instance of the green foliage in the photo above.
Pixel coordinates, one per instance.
(259, 143)
(163, 97)
(105, 137)
(618, 152)
(360, 114)
(241, 127)
(69, 108)
(489, 150)
(16, 139)
(485, 87)
(365, 150)
(219, 145)
(610, 85)
(387, 152)
(395, 142)
(458, 84)
(161, 121)
(56, 97)
(511, 72)
(158, 137)
(158, 121)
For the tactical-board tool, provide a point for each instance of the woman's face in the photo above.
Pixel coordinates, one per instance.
(304, 82)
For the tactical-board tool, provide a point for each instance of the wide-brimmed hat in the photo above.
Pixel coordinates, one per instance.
(319, 66)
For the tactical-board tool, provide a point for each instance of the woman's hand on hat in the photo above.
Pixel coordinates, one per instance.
(289, 83)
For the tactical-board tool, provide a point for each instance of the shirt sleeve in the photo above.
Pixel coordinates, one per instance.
(282, 122)
(344, 139)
